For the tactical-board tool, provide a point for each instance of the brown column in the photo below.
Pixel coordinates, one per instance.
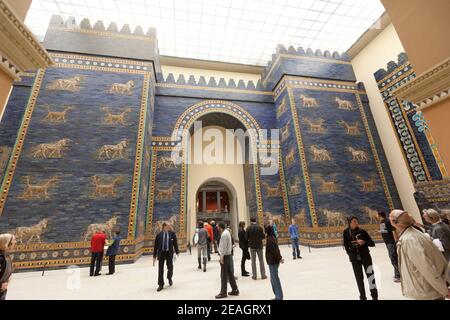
(5, 89)
(20, 7)
(438, 120)
(423, 28)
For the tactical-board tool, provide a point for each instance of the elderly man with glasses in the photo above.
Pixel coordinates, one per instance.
(422, 267)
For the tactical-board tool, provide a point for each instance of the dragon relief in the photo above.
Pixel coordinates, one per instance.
(316, 126)
(294, 187)
(104, 190)
(272, 192)
(290, 158)
(350, 129)
(327, 186)
(37, 191)
(165, 194)
(56, 117)
(285, 132)
(367, 185)
(115, 118)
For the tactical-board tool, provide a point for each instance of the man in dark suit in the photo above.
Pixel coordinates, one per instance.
(112, 251)
(165, 246)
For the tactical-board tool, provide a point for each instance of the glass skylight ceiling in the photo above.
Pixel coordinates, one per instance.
(238, 31)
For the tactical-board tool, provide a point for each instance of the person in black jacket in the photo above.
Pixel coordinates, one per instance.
(255, 236)
(243, 244)
(389, 237)
(7, 243)
(165, 246)
(274, 258)
(357, 242)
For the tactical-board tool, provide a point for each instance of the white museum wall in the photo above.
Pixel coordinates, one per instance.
(384, 48)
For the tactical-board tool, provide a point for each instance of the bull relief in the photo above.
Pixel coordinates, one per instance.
(69, 84)
(122, 88)
(25, 235)
(107, 227)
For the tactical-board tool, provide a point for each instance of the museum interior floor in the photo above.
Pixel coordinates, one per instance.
(322, 274)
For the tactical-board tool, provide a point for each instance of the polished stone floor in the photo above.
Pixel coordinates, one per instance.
(322, 274)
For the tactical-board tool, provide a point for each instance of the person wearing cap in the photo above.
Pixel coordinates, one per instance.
(422, 267)
(438, 230)
(7, 243)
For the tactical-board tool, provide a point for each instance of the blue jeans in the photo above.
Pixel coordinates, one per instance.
(275, 281)
(295, 248)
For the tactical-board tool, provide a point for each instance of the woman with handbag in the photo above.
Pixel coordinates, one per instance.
(7, 243)
(243, 244)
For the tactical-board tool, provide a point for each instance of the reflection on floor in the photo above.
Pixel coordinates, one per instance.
(321, 274)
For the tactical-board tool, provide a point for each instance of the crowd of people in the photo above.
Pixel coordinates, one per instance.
(419, 253)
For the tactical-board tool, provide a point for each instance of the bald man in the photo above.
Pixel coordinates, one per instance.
(422, 267)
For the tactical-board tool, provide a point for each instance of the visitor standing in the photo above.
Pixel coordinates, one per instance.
(226, 272)
(274, 258)
(357, 242)
(165, 246)
(275, 229)
(210, 231)
(255, 236)
(201, 241)
(438, 230)
(7, 243)
(422, 266)
(243, 244)
(294, 235)
(216, 236)
(389, 238)
(112, 251)
(98, 242)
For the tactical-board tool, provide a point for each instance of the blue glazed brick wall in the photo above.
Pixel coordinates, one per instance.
(348, 198)
(293, 172)
(12, 119)
(71, 206)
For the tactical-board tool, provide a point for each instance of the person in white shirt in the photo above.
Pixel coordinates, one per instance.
(226, 270)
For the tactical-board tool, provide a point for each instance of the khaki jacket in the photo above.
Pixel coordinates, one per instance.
(423, 267)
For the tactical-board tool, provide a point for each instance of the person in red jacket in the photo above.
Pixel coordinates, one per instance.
(209, 228)
(97, 246)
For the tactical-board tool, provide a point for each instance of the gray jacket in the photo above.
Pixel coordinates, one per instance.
(202, 237)
(441, 231)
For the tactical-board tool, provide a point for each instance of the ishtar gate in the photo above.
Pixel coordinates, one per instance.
(101, 131)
